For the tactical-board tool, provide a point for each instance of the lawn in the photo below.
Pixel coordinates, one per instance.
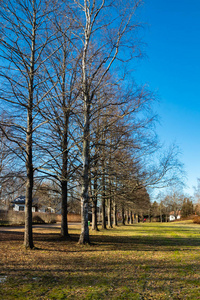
(141, 261)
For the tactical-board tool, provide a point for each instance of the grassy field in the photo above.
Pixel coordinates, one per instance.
(142, 261)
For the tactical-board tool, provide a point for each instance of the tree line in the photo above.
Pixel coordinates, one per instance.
(174, 202)
(71, 112)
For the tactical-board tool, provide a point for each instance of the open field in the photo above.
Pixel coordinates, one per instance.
(142, 261)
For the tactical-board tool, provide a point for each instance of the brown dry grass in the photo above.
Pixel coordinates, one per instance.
(144, 261)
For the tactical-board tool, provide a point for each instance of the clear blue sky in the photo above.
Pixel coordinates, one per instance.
(172, 69)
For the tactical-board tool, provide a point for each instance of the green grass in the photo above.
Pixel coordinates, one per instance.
(142, 261)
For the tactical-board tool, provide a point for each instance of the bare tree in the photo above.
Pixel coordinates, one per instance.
(174, 201)
(60, 110)
(24, 36)
(109, 24)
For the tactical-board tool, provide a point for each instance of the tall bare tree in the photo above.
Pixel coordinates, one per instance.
(105, 27)
(24, 35)
(60, 109)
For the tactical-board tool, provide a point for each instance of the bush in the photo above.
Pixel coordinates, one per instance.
(47, 218)
(190, 217)
(196, 220)
(37, 220)
(17, 217)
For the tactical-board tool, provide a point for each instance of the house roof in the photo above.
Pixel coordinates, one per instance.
(21, 200)
(172, 213)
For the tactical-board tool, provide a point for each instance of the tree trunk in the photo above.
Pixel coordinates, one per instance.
(64, 223)
(160, 215)
(64, 180)
(94, 199)
(131, 217)
(103, 185)
(94, 204)
(135, 218)
(123, 216)
(94, 215)
(128, 217)
(114, 214)
(28, 235)
(109, 208)
(84, 236)
(103, 213)
(95, 185)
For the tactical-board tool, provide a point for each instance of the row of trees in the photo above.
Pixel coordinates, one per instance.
(70, 112)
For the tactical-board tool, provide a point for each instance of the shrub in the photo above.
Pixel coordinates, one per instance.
(37, 220)
(196, 220)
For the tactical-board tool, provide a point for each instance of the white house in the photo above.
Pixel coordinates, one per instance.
(173, 217)
(19, 204)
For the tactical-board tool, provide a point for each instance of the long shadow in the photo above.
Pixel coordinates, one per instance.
(11, 236)
(107, 242)
(77, 272)
(78, 275)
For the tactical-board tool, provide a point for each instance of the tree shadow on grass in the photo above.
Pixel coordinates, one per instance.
(110, 270)
(147, 243)
(108, 243)
(109, 274)
(11, 236)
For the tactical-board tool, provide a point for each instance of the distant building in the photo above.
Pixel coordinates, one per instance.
(173, 216)
(19, 204)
